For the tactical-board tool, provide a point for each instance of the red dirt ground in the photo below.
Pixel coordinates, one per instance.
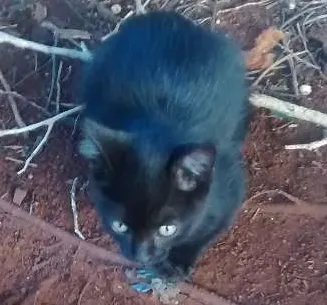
(265, 259)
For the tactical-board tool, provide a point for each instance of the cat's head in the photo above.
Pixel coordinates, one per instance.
(148, 202)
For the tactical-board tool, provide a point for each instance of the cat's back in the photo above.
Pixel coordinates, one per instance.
(161, 67)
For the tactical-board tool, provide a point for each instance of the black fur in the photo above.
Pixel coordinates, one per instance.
(166, 117)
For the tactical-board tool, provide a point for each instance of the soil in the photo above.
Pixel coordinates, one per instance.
(266, 258)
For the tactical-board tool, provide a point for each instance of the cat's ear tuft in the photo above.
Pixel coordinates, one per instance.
(194, 167)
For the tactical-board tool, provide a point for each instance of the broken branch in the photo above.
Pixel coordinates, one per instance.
(11, 100)
(46, 122)
(37, 149)
(309, 146)
(84, 55)
(74, 209)
(289, 109)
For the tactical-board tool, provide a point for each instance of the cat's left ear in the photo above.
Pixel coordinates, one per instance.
(193, 167)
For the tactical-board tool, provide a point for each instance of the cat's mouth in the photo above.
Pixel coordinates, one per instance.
(146, 259)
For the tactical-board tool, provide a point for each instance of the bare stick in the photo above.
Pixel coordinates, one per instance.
(299, 206)
(276, 64)
(290, 197)
(257, 100)
(23, 99)
(317, 211)
(53, 71)
(245, 5)
(37, 149)
(309, 146)
(19, 161)
(12, 102)
(74, 209)
(286, 42)
(303, 11)
(84, 55)
(289, 109)
(58, 87)
(47, 122)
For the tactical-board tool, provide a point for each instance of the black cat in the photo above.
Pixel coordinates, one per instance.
(166, 116)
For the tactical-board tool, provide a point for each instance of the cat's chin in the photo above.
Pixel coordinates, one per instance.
(173, 273)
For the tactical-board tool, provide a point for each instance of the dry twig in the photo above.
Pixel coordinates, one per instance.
(308, 146)
(289, 109)
(19, 161)
(11, 100)
(291, 62)
(23, 99)
(83, 55)
(272, 193)
(74, 209)
(245, 5)
(276, 64)
(37, 149)
(46, 122)
(299, 206)
(58, 89)
(49, 123)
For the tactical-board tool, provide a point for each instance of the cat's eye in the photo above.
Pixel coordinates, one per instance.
(119, 227)
(167, 231)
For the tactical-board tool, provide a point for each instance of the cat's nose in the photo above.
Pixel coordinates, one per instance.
(143, 253)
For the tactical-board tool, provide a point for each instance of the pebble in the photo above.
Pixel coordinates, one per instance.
(305, 89)
(116, 9)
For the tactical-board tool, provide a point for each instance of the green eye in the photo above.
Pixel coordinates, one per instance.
(167, 231)
(119, 227)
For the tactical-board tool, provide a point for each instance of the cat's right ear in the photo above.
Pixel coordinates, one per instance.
(193, 167)
(98, 140)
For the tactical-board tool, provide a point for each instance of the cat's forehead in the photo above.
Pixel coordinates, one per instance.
(150, 212)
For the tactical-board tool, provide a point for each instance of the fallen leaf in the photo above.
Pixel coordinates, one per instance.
(19, 196)
(261, 56)
(259, 61)
(268, 39)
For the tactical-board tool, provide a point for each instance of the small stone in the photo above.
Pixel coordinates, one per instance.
(305, 89)
(116, 9)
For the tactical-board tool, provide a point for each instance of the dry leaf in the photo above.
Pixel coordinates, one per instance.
(19, 196)
(261, 57)
(259, 61)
